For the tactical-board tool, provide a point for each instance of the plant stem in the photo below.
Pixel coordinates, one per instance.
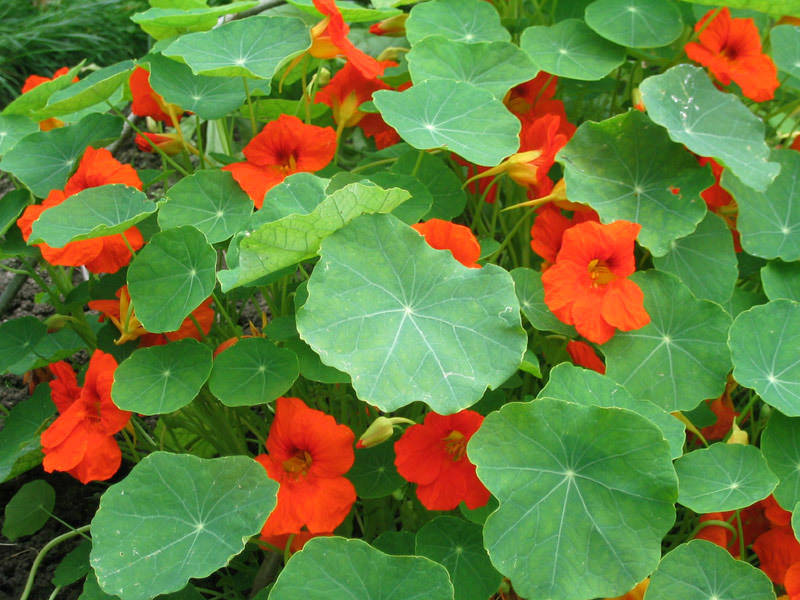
(250, 106)
(43, 552)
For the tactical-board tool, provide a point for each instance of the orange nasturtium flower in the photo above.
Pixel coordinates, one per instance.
(434, 456)
(459, 239)
(583, 355)
(107, 254)
(81, 440)
(37, 80)
(121, 312)
(148, 103)
(588, 285)
(308, 455)
(347, 91)
(548, 229)
(285, 146)
(731, 49)
(636, 593)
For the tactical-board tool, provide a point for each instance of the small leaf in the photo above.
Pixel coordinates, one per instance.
(17, 338)
(781, 280)
(444, 185)
(701, 570)
(417, 206)
(170, 277)
(415, 312)
(161, 379)
(74, 565)
(570, 49)
(13, 128)
(253, 371)
(373, 473)
(163, 22)
(29, 509)
(457, 116)
(334, 568)
(530, 292)
(92, 213)
(710, 123)
(176, 516)
(636, 23)
(763, 343)
(723, 477)
(96, 87)
(457, 20)
(20, 433)
(780, 444)
(209, 200)
(298, 194)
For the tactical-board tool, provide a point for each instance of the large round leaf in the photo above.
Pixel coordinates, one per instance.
(636, 23)
(723, 477)
(780, 444)
(678, 359)
(91, 213)
(17, 338)
(701, 570)
(710, 123)
(586, 495)
(253, 371)
(13, 128)
(627, 168)
(449, 114)
(530, 292)
(208, 97)
(704, 260)
(170, 277)
(161, 379)
(584, 386)
(458, 546)
(493, 66)
(570, 49)
(252, 47)
(176, 516)
(408, 322)
(335, 568)
(769, 222)
(457, 20)
(781, 280)
(764, 342)
(209, 200)
(373, 473)
(785, 42)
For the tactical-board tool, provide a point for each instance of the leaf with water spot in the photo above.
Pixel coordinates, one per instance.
(457, 20)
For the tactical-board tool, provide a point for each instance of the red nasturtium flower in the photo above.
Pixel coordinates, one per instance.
(588, 285)
(106, 254)
(81, 440)
(37, 80)
(583, 355)
(285, 146)
(148, 103)
(308, 455)
(434, 456)
(731, 49)
(373, 126)
(459, 239)
(347, 91)
(549, 226)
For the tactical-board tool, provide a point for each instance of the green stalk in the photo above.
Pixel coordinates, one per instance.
(43, 552)
(250, 107)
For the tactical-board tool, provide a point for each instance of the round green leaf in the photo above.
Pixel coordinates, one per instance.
(21, 430)
(17, 338)
(449, 199)
(95, 88)
(626, 168)
(29, 509)
(373, 473)
(710, 123)
(785, 44)
(44, 160)
(723, 477)
(252, 371)
(584, 386)
(334, 568)
(417, 206)
(570, 49)
(35, 99)
(414, 325)
(209, 200)
(701, 570)
(298, 194)
(704, 260)
(743, 300)
(176, 516)
(763, 343)
(780, 444)
(636, 23)
(13, 128)
(170, 277)
(769, 222)
(74, 565)
(163, 22)
(530, 293)
(252, 47)
(92, 213)
(161, 379)
(14, 202)
(396, 543)
(453, 115)
(208, 97)
(781, 280)
(458, 546)
(493, 66)
(457, 20)
(580, 515)
(311, 366)
(679, 358)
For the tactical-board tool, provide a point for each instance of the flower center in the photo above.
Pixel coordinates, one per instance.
(288, 163)
(299, 464)
(455, 444)
(600, 273)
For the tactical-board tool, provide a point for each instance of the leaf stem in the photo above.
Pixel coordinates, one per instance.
(250, 107)
(39, 557)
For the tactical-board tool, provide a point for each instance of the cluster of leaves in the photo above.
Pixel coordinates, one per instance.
(595, 485)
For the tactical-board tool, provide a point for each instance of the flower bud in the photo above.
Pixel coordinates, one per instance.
(738, 436)
(380, 431)
(393, 26)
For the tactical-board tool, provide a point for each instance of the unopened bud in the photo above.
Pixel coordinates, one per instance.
(738, 436)
(380, 431)
(392, 53)
(393, 26)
